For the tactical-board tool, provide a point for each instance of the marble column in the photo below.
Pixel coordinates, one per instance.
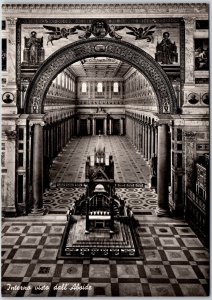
(62, 133)
(105, 126)
(47, 140)
(163, 171)
(156, 140)
(88, 126)
(121, 126)
(8, 184)
(143, 139)
(51, 138)
(139, 136)
(37, 165)
(55, 138)
(94, 126)
(153, 141)
(149, 142)
(146, 142)
(69, 128)
(78, 126)
(121, 89)
(133, 135)
(89, 89)
(110, 90)
(110, 126)
(94, 90)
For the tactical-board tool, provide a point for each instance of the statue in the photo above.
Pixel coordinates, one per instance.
(33, 51)
(166, 51)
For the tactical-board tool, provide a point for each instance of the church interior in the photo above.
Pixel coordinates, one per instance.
(105, 150)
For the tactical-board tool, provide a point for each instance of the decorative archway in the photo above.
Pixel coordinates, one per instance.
(121, 50)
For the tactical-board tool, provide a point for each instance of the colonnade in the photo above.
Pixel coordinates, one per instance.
(47, 141)
(108, 126)
(152, 139)
(143, 133)
(56, 135)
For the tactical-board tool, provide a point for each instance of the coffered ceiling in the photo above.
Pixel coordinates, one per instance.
(99, 67)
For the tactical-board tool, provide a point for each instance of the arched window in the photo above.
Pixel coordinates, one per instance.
(99, 87)
(84, 87)
(115, 87)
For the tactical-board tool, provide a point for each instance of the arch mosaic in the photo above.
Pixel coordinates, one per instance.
(142, 61)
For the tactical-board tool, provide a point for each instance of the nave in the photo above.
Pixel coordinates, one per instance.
(69, 167)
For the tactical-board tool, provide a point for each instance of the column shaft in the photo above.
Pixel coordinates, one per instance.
(163, 171)
(105, 126)
(37, 172)
(94, 127)
(110, 126)
(146, 142)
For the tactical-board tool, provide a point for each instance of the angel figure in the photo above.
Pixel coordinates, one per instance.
(142, 33)
(112, 31)
(86, 29)
(57, 33)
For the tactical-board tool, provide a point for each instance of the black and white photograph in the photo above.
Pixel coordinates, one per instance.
(105, 149)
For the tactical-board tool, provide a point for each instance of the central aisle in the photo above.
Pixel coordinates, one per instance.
(130, 167)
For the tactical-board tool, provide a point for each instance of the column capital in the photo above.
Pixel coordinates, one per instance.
(11, 21)
(189, 20)
(36, 119)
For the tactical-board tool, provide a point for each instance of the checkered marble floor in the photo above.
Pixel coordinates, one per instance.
(175, 262)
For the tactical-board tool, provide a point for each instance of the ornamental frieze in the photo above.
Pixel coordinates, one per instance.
(99, 29)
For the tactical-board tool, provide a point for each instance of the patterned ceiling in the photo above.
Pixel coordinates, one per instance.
(99, 67)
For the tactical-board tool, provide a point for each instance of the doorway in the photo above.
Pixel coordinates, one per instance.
(99, 126)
